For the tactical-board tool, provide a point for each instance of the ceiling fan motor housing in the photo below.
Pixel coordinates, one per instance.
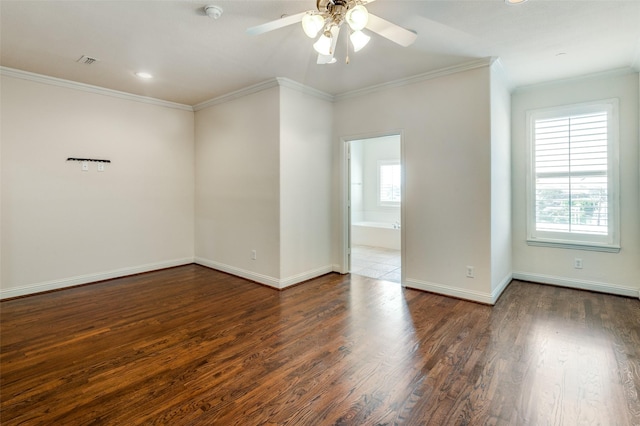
(337, 9)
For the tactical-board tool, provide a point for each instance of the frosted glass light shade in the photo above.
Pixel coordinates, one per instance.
(323, 45)
(357, 17)
(359, 40)
(312, 24)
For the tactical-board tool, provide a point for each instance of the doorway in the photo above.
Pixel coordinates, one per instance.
(374, 207)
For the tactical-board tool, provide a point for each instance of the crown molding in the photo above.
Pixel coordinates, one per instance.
(268, 84)
(255, 88)
(499, 70)
(481, 63)
(291, 84)
(307, 90)
(551, 83)
(54, 81)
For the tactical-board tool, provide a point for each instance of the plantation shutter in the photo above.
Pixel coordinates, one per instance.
(571, 173)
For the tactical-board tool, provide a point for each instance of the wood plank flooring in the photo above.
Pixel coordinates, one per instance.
(193, 346)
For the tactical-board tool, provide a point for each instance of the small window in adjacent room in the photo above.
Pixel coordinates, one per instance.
(573, 177)
(389, 180)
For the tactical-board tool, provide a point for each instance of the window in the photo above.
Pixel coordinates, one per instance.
(573, 183)
(389, 180)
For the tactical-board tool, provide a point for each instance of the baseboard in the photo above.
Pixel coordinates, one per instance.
(578, 284)
(296, 279)
(445, 290)
(243, 273)
(338, 269)
(497, 292)
(89, 278)
(264, 279)
(289, 281)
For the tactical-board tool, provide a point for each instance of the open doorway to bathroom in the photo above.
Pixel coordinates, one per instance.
(375, 192)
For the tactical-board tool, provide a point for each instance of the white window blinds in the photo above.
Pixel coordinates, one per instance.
(573, 178)
(571, 174)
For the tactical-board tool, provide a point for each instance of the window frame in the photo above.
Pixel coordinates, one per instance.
(576, 240)
(379, 186)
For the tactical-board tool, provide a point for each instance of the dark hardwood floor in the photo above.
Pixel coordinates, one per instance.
(192, 346)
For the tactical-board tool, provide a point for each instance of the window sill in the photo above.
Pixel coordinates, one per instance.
(575, 245)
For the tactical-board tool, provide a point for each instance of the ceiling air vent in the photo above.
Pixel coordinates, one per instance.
(87, 60)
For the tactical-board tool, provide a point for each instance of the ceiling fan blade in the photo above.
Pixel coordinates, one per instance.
(278, 23)
(329, 59)
(391, 31)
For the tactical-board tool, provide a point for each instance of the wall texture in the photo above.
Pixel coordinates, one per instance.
(62, 226)
(610, 272)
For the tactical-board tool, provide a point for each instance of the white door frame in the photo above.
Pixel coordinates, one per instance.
(346, 199)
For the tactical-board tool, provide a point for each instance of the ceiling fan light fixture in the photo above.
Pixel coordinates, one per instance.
(359, 40)
(323, 25)
(357, 17)
(323, 45)
(312, 23)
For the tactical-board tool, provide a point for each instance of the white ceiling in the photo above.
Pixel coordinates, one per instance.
(195, 58)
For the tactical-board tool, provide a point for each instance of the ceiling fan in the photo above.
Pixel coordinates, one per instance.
(327, 19)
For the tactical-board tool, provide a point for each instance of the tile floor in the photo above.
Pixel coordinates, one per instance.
(376, 262)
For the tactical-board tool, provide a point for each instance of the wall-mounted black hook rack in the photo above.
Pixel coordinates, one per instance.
(88, 159)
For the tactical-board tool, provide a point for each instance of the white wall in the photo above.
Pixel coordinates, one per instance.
(238, 186)
(501, 263)
(446, 134)
(610, 272)
(305, 186)
(263, 183)
(262, 173)
(62, 226)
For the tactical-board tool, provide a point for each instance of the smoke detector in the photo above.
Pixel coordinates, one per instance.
(213, 12)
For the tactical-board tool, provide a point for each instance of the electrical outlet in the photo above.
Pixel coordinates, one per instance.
(470, 271)
(101, 167)
(85, 166)
(254, 255)
(577, 263)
